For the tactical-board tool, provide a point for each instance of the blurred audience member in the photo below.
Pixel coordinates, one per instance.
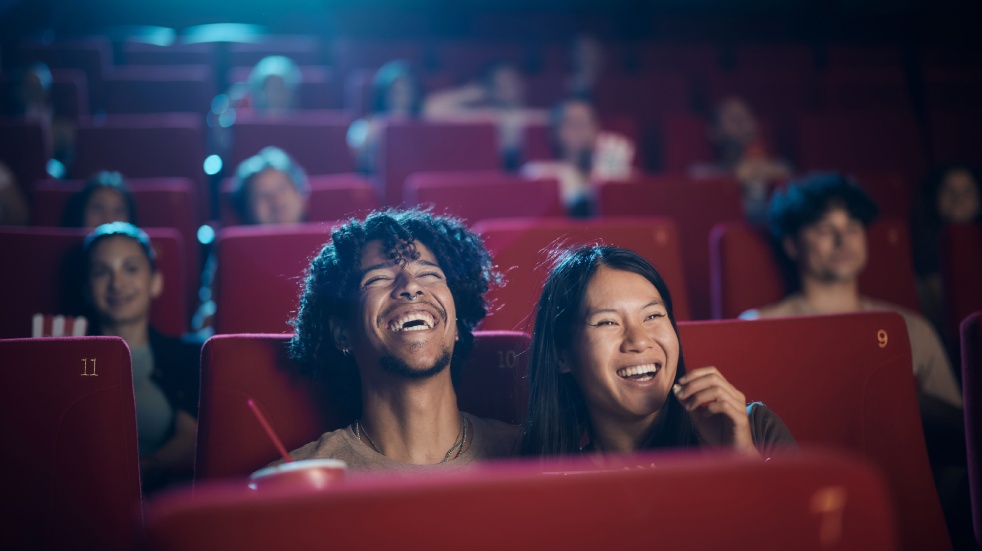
(270, 188)
(498, 97)
(31, 99)
(740, 151)
(104, 198)
(122, 280)
(13, 205)
(583, 154)
(272, 85)
(396, 95)
(952, 195)
(820, 225)
(587, 61)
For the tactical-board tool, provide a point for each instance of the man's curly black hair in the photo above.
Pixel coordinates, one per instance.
(331, 287)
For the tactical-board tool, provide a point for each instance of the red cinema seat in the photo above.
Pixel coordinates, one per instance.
(747, 275)
(781, 57)
(866, 89)
(686, 142)
(142, 53)
(961, 271)
(332, 197)
(971, 348)
(953, 136)
(160, 89)
(69, 93)
(521, 249)
(318, 88)
(260, 275)
(649, 97)
(475, 196)
(546, 89)
(71, 477)
(684, 200)
(303, 50)
(693, 60)
(47, 279)
(815, 501)
(864, 56)
(892, 191)
(952, 88)
(145, 146)
(160, 203)
(840, 381)
(555, 56)
(538, 139)
(406, 147)
(315, 139)
(24, 149)
(873, 141)
(237, 368)
(351, 54)
(467, 59)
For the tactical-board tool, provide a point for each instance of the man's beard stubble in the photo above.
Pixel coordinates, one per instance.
(397, 366)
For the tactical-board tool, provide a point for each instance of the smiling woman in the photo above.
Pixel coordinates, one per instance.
(606, 370)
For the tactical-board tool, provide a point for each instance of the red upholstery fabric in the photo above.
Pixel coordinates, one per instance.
(953, 135)
(649, 98)
(800, 498)
(260, 275)
(693, 60)
(521, 250)
(24, 149)
(70, 475)
(746, 274)
(863, 56)
(841, 381)
(952, 88)
(160, 89)
(466, 59)
(91, 55)
(145, 146)
(866, 88)
(408, 147)
(160, 203)
(684, 200)
(475, 196)
(778, 56)
(318, 87)
(971, 345)
(961, 271)
(315, 139)
(47, 281)
(236, 368)
(892, 190)
(352, 53)
(69, 92)
(860, 141)
(686, 142)
(332, 197)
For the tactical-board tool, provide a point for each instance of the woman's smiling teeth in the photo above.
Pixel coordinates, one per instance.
(644, 372)
(417, 320)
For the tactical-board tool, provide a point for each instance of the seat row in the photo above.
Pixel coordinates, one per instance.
(860, 399)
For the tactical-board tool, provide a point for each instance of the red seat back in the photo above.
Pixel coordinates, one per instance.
(303, 50)
(521, 250)
(812, 502)
(840, 381)
(684, 200)
(332, 197)
(24, 149)
(971, 348)
(866, 88)
(315, 139)
(260, 275)
(145, 146)
(952, 135)
(47, 279)
(318, 88)
(746, 274)
(69, 93)
(406, 147)
(961, 271)
(195, 53)
(860, 141)
(160, 89)
(71, 474)
(475, 196)
(91, 55)
(236, 368)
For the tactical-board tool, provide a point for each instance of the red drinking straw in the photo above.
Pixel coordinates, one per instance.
(269, 431)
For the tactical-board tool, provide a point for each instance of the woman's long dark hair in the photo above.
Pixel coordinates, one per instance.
(557, 417)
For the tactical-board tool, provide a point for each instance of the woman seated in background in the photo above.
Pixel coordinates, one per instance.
(270, 188)
(740, 152)
(271, 88)
(104, 198)
(122, 281)
(951, 195)
(498, 97)
(583, 154)
(396, 95)
(606, 370)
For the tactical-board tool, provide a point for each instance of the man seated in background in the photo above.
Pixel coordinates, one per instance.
(387, 314)
(819, 223)
(740, 152)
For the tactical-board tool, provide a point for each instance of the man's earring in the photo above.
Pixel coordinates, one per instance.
(344, 351)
